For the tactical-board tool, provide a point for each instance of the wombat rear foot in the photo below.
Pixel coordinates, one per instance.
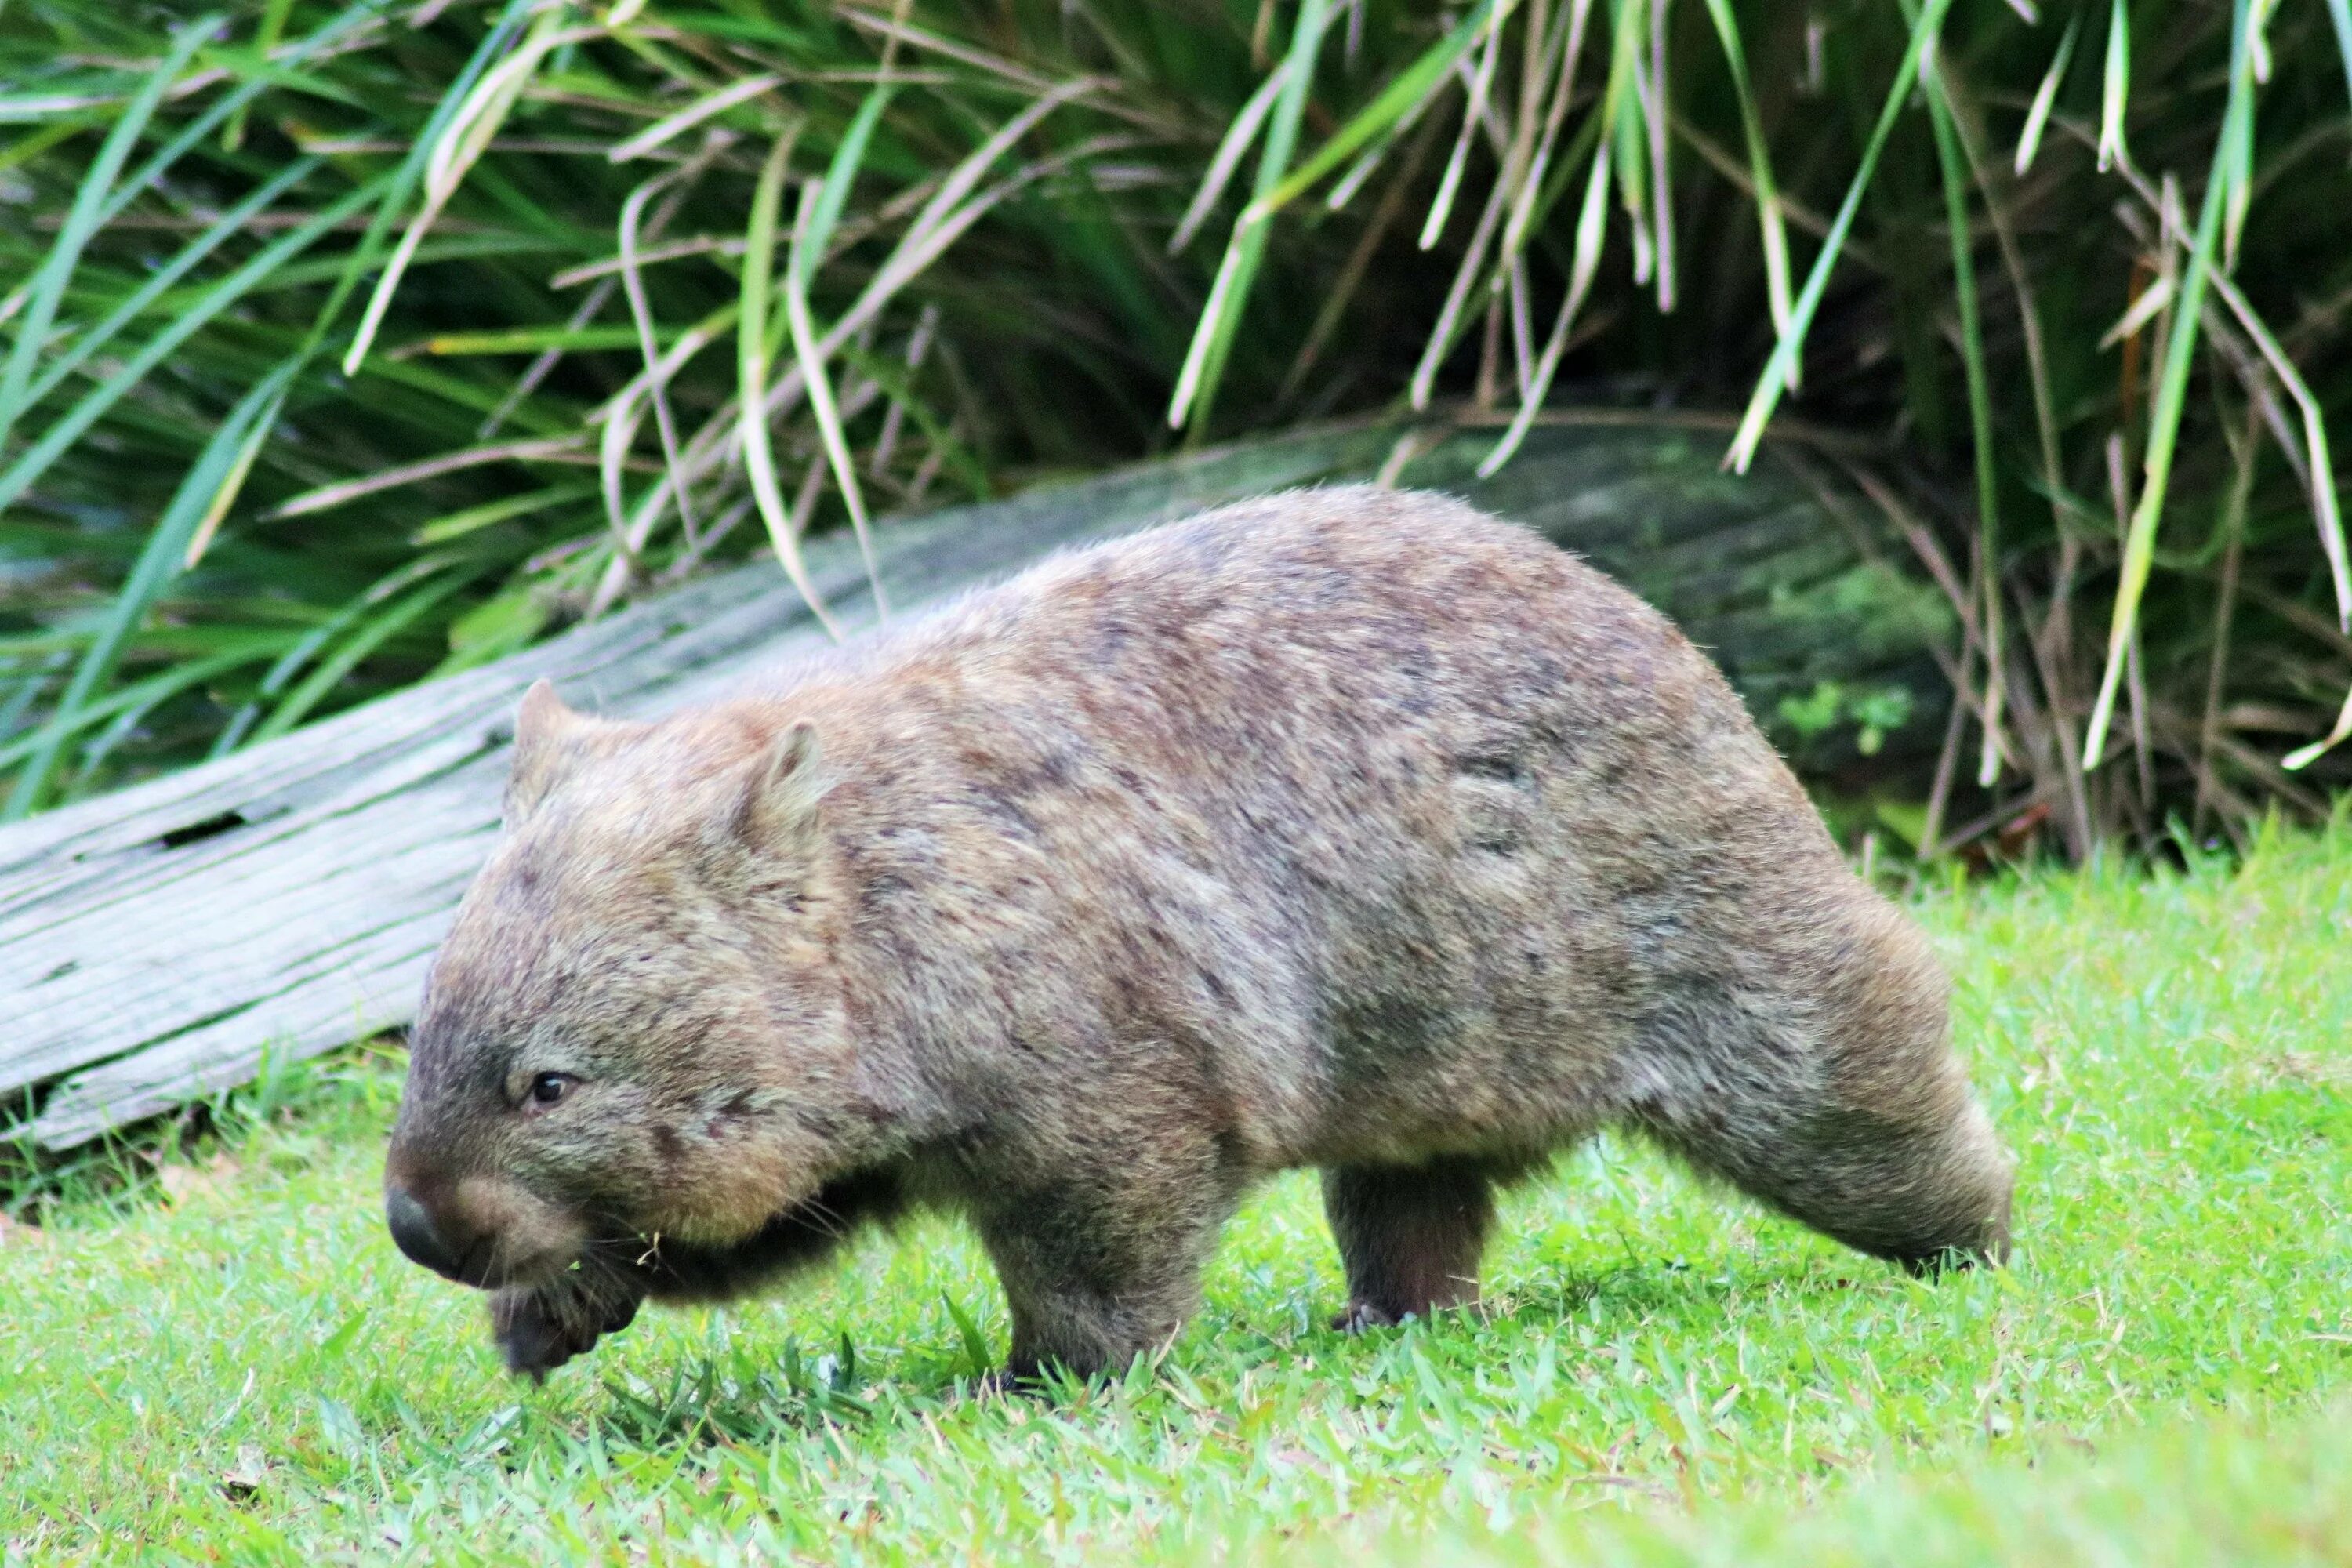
(1410, 1236)
(1987, 1243)
(1927, 1187)
(1001, 1381)
(1361, 1316)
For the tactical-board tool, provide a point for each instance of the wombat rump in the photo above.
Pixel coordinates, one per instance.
(1345, 828)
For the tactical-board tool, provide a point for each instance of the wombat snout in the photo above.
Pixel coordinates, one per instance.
(479, 1231)
(424, 1242)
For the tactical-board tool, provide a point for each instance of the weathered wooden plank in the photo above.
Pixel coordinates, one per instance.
(156, 943)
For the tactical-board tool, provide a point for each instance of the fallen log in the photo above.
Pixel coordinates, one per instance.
(160, 944)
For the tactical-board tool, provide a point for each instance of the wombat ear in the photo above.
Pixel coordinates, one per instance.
(781, 808)
(545, 733)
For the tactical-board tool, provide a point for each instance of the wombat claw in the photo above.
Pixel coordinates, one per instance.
(1361, 1316)
(996, 1384)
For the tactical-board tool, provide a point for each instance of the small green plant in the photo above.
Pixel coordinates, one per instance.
(1872, 713)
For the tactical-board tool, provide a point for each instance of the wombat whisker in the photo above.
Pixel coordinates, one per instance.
(828, 1222)
(494, 1265)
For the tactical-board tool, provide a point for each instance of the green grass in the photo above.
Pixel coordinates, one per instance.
(229, 1361)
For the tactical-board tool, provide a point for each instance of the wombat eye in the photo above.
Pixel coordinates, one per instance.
(550, 1087)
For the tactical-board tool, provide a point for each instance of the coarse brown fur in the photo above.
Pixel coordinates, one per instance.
(1342, 829)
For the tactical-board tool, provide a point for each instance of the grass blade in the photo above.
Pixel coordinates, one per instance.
(648, 343)
(2037, 117)
(1650, 89)
(1212, 335)
(331, 670)
(142, 695)
(265, 40)
(1627, 133)
(1534, 179)
(1776, 377)
(1953, 168)
(2304, 756)
(326, 497)
(667, 128)
(291, 663)
(1443, 331)
(819, 207)
(2114, 89)
(612, 445)
(261, 426)
(2339, 12)
(458, 524)
(1396, 104)
(82, 220)
(926, 239)
(1228, 157)
(2324, 509)
(257, 269)
(413, 169)
(2155, 298)
(222, 109)
(2172, 389)
(455, 152)
(751, 374)
(1759, 168)
(651, 385)
(1592, 229)
(1474, 111)
(182, 262)
(819, 211)
(216, 472)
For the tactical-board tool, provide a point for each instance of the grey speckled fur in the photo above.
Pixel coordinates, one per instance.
(1342, 829)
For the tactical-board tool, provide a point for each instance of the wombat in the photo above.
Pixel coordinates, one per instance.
(1345, 828)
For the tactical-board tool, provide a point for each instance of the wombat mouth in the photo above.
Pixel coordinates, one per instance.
(600, 1242)
(495, 1273)
(611, 1252)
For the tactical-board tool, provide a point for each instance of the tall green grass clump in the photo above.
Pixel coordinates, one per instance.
(348, 343)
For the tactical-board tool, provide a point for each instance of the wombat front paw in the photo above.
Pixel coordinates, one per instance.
(538, 1331)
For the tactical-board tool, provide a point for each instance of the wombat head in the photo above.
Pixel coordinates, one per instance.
(635, 1028)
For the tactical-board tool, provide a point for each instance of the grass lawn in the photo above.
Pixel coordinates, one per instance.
(226, 1359)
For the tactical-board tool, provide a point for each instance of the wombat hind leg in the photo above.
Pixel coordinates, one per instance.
(1411, 1236)
(1924, 1190)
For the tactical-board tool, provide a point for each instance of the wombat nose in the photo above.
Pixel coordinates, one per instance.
(414, 1232)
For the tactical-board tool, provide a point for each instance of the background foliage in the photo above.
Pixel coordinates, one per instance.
(349, 343)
